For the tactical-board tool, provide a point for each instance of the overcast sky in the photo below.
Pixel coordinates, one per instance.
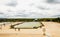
(29, 8)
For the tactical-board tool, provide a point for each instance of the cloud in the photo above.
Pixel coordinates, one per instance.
(42, 8)
(11, 3)
(23, 14)
(28, 8)
(53, 1)
(1, 13)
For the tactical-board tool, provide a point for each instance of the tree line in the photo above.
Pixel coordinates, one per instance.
(30, 20)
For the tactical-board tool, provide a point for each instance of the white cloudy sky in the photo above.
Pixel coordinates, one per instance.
(29, 8)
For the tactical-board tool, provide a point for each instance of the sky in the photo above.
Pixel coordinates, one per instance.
(29, 8)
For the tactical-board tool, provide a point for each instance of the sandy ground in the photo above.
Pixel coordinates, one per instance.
(52, 30)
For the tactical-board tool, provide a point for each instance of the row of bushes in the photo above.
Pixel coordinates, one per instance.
(28, 20)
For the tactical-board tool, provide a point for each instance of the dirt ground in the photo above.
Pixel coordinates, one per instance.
(52, 30)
